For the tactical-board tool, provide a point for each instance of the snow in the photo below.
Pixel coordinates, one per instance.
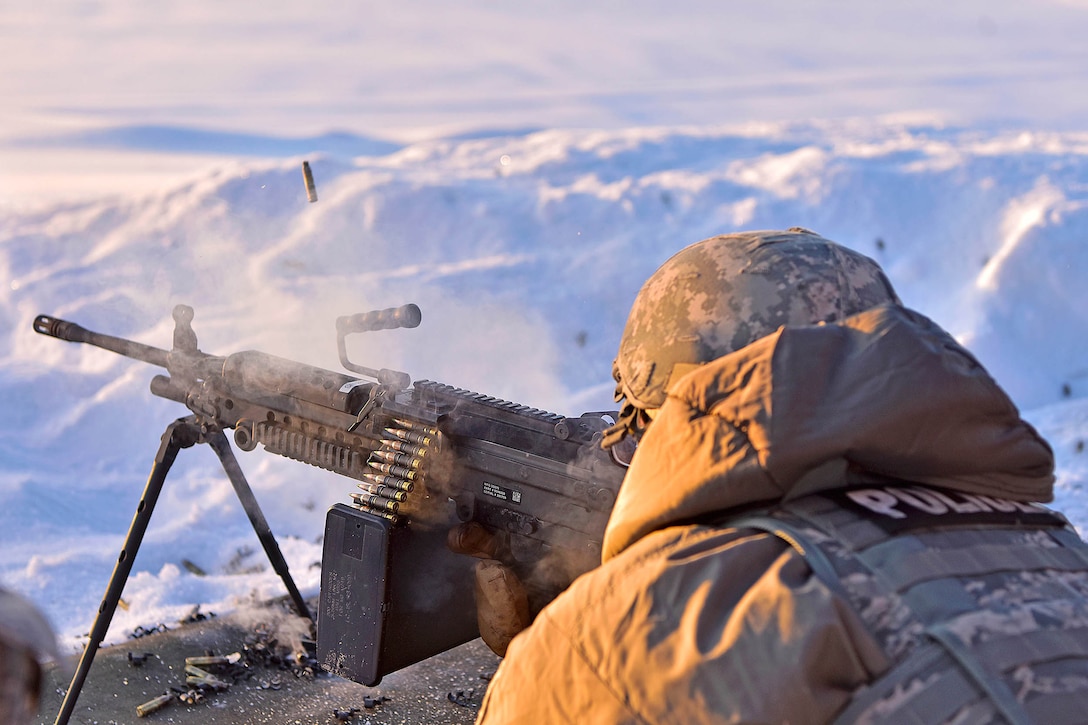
(517, 172)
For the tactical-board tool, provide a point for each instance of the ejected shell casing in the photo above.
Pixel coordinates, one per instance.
(412, 425)
(399, 459)
(379, 479)
(199, 677)
(404, 447)
(152, 705)
(213, 682)
(211, 660)
(308, 179)
(196, 671)
(383, 491)
(391, 469)
(376, 502)
(411, 436)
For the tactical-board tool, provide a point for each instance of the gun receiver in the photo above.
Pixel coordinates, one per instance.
(426, 456)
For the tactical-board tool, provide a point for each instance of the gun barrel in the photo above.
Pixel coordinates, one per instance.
(70, 331)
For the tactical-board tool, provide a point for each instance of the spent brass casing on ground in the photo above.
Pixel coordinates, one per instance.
(198, 677)
(213, 682)
(195, 671)
(152, 705)
(210, 660)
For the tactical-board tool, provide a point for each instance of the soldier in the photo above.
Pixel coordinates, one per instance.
(830, 517)
(26, 642)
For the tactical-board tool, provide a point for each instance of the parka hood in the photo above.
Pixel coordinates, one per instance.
(886, 392)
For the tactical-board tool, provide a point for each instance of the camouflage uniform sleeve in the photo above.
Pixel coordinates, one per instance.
(546, 679)
(691, 624)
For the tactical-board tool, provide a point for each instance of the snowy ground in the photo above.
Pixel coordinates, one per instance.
(517, 173)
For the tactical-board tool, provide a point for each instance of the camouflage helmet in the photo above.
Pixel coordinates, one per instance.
(724, 293)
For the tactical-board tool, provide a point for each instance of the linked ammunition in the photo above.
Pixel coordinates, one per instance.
(376, 502)
(383, 491)
(405, 447)
(380, 479)
(412, 425)
(399, 459)
(410, 436)
(391, 517)
(392, 469)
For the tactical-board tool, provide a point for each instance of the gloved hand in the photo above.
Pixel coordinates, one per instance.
(502, 604)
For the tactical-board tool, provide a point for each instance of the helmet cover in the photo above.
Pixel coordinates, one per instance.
(721, 294)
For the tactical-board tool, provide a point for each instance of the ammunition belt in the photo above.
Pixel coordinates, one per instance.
(395, 468)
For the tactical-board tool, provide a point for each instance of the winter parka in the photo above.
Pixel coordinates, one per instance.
(692, 619)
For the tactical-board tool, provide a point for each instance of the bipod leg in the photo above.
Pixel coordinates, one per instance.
(218, 441)
(180, 434)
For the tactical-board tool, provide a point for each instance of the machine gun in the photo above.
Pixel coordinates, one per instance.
(426, 457)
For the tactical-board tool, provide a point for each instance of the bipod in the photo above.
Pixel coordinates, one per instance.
(182, 433)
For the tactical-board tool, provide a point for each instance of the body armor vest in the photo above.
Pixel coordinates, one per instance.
(979, 603)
